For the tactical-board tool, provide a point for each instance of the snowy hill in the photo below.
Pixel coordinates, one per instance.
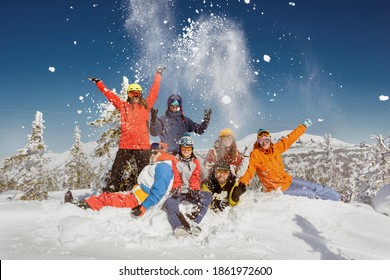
(269, 226)
(263, 226)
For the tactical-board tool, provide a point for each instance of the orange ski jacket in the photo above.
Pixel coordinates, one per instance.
(268, 164)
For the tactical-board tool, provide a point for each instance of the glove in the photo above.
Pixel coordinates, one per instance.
(160, 69)
(138, 211)
(153, 113)
(220, 205)
(194, 193)
(95, 80)
(176, 192)
(307, 123)
(237, 191)
(207, 114)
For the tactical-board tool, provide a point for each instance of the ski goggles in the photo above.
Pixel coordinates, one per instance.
(185, 148)
(263, 133)
(264, 141)
(134, 93)
(175, 103)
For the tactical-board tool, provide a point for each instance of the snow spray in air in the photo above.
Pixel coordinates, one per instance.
(207, 60)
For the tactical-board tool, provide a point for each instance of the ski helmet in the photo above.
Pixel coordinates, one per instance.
(263, 133)
(159, 146)
(186, 140)
(134, 87)
(226, 132)
(222, 165)
(174, 100)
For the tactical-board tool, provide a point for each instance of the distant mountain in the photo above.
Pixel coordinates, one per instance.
(305, 159)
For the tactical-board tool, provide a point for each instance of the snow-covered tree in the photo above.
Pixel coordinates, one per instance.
(377, 174)
(78, 169)
(109, 116)
(29, 166)
(330, 160)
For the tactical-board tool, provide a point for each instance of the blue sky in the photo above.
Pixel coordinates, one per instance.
(329, 61)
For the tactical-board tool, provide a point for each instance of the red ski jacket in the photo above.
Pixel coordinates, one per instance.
(134, 117)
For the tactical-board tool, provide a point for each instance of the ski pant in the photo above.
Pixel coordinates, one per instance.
(175, 217)
(141, 159)
(311, 190)
(120, 200)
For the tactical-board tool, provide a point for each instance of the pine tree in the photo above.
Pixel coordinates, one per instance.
(110, 116)
(377, 174)
(29, 165)
(330, 160)
(335, 178)
(78, 170)
(382, 155)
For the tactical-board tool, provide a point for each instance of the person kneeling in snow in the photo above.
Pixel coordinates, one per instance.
(153, 182)
(220, 183)
(190, 192)
(266, 161)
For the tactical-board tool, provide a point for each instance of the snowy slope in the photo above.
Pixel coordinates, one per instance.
(264, 226)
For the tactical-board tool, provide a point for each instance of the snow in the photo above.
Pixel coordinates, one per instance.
(226, 99)
(381, 201)
(268, 226)
(52, 69)
(383, 98)
(266, 58)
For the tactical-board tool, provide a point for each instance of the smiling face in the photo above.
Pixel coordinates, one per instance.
(186, 151)
(135, 95)
(221, 175)
(264, 143)
(227, 140)
(154, 155)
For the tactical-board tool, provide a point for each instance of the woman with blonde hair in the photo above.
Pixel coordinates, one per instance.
(224, 149)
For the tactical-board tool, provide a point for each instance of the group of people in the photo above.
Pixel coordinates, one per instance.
(169, 169)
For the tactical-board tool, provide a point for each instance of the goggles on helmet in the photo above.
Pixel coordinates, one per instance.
(263, 133)
(175, 103)
(186, 141)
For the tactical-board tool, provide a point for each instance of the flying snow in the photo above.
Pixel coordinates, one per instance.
(267, 58)
(226, 99)
(383, 98)
(52, 69)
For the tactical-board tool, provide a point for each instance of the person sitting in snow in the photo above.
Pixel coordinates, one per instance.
(224, 149)
(172, 126)
(220, 183)
(134, 139)
(189, 192)
(153, 182)
(266, 161)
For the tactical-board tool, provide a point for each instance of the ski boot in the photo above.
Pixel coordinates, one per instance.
(68, 198)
